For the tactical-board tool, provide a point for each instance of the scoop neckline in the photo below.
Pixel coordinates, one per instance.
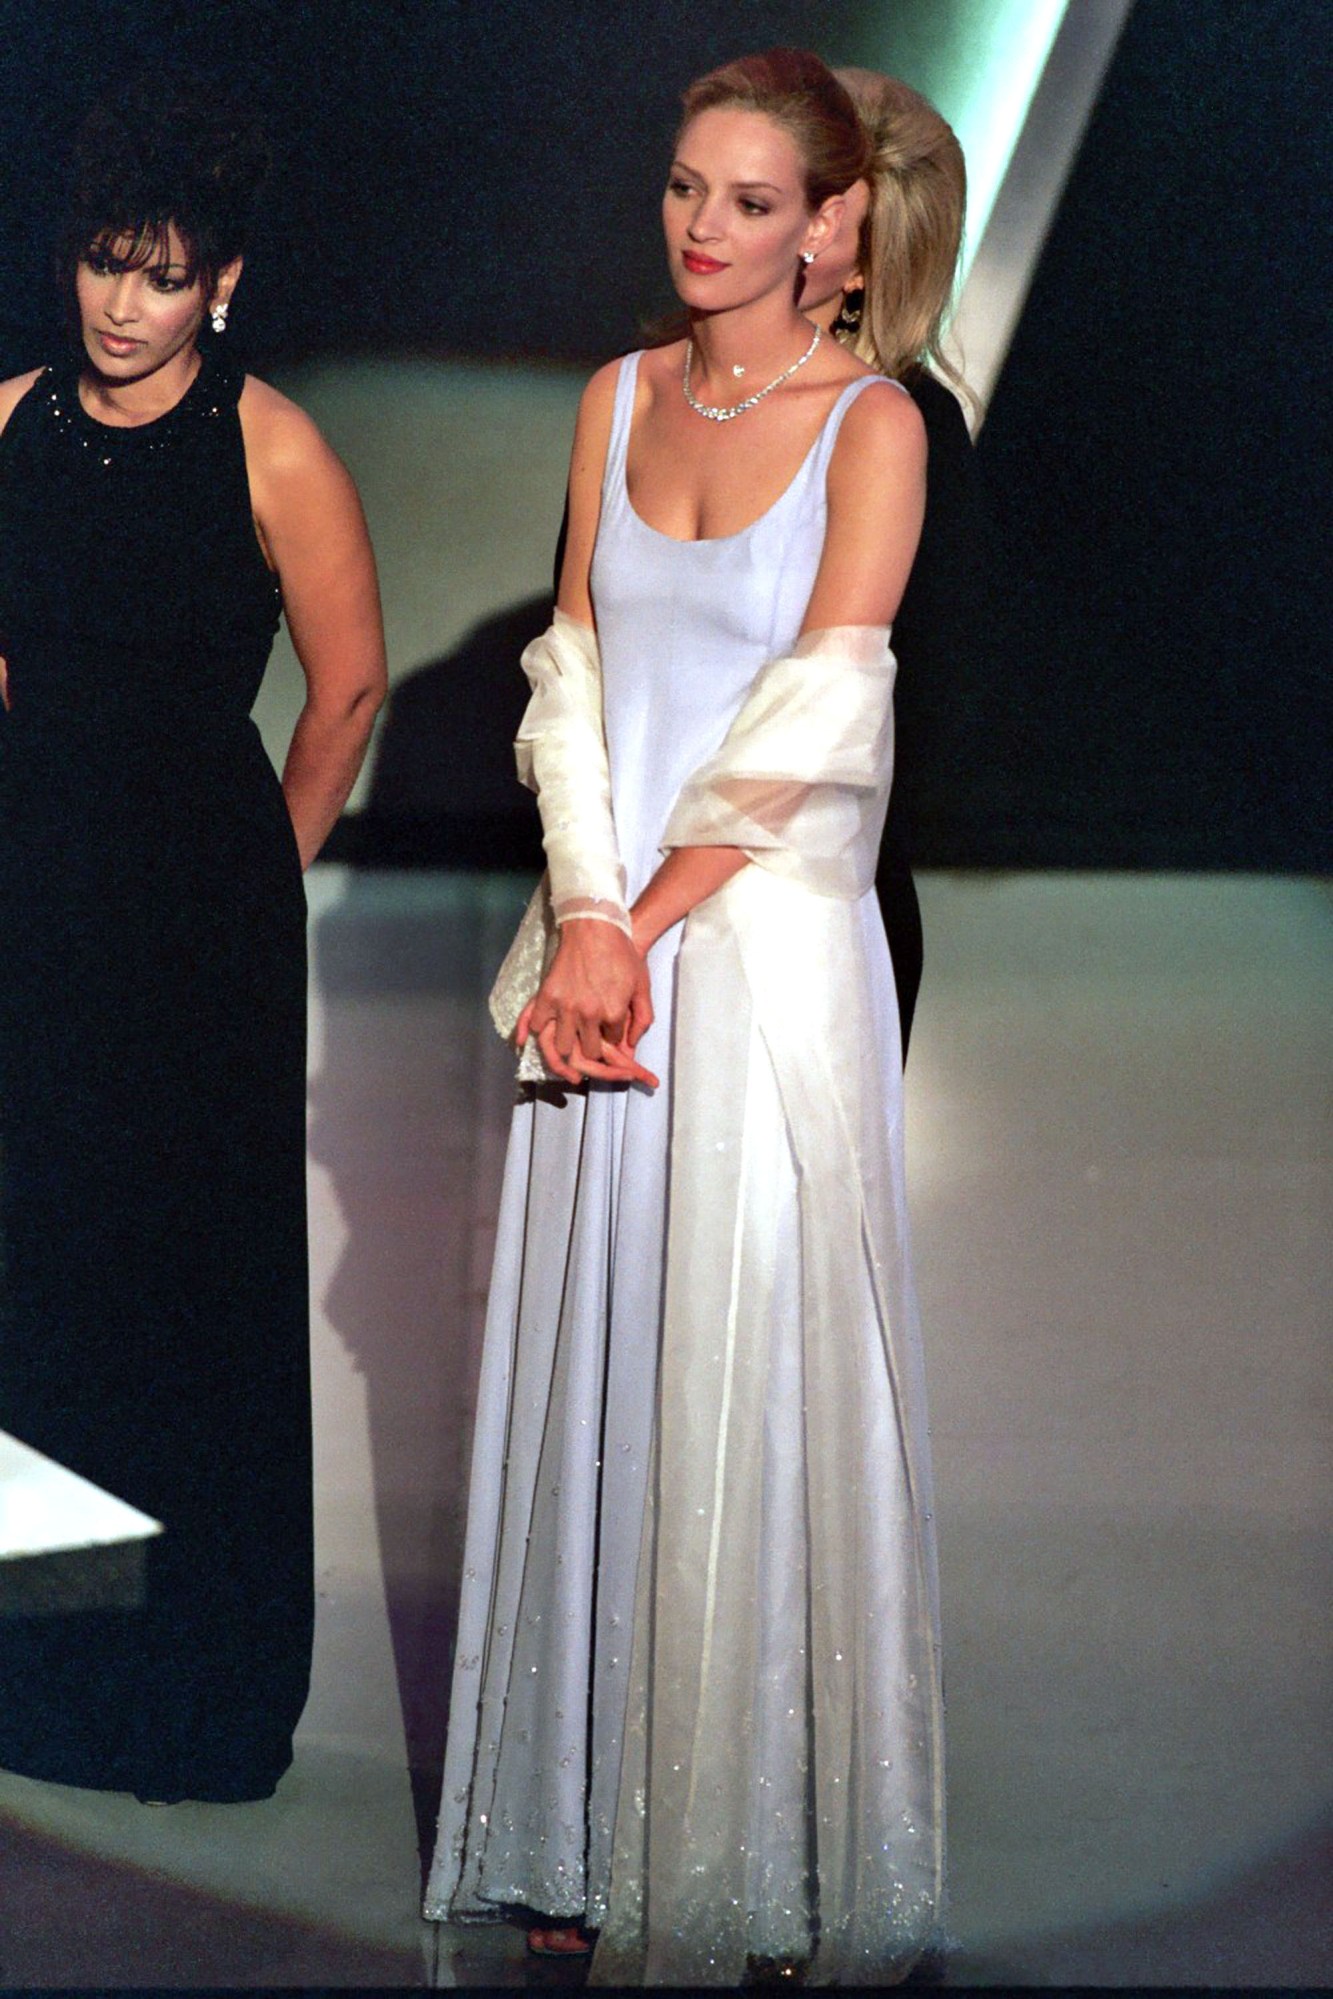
(738, 534)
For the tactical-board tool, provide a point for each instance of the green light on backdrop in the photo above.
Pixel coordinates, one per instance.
(979, 61)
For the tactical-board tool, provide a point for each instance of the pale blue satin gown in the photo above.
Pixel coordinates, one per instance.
(565, 1412)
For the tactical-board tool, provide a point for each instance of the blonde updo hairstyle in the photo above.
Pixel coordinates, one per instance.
(913, 227)
(802, 95)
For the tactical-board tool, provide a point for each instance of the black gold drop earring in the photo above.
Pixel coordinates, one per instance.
(849, 312)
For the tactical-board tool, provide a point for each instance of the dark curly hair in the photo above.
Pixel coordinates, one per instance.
(169, 149)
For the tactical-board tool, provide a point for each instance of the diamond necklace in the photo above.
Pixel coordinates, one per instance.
(724, 412)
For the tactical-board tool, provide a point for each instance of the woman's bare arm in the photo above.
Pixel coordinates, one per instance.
(876, 502)
(587, 462)
(595, 1002)
(310, 522)
(688, 875)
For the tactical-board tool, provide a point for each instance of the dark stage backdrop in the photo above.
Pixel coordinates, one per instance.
(468, 176)
(1157, 452)
(461, 176)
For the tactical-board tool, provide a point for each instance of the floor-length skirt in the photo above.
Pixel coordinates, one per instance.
(154, 1318)
(695, 1697)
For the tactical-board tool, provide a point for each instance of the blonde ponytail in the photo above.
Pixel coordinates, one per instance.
(913, 227)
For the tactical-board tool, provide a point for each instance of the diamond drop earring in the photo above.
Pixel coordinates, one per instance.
(218, 316)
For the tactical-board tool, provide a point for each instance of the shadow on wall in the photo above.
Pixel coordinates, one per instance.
(443, 791)
(409, 1113)
(408, 1294)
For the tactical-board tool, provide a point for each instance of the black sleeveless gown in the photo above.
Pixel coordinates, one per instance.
(153, 1284)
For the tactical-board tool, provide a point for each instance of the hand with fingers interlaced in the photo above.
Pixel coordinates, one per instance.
(593, 1006)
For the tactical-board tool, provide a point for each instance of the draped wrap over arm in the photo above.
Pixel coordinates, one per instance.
(560, 751)
(801, 782)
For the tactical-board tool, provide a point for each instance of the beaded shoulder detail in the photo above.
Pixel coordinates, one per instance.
(212, 393)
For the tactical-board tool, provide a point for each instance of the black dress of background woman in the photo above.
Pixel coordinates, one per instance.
(153, 1295)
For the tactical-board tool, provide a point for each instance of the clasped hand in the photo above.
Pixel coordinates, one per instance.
(593, 1006)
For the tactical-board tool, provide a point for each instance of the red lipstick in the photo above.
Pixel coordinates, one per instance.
(702, 266)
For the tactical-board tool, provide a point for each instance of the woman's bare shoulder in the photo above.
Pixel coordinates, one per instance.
(883, 417)
(879, 459)
(278, 433)
(599, 395)
(661, 365)
(596, 413)
(13, 391)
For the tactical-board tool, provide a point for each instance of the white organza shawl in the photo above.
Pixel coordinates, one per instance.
(801, 782)
(560, 751)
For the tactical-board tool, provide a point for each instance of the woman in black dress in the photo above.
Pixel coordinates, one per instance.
(899, 237)
(159, 509)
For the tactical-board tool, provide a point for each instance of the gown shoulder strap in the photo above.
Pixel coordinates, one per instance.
(828, 436)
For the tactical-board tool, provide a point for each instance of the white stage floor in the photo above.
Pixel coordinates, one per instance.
(1120, 1158)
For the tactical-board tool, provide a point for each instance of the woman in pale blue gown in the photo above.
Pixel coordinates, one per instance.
(696, 1698)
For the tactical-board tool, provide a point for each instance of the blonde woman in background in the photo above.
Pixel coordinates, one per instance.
(885, 288)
